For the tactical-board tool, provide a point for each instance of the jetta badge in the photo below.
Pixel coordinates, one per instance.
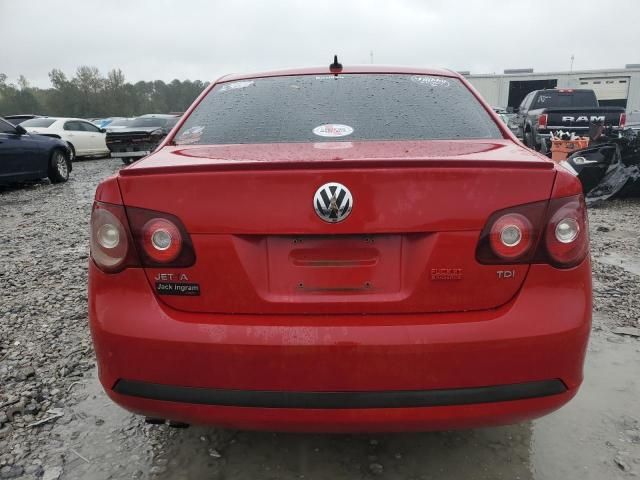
(333, 202)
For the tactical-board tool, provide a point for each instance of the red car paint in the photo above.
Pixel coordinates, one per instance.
(396, 316)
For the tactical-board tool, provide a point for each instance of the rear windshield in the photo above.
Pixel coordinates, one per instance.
(317, 108)
(152, 122)
(566, 99)
(38, 122)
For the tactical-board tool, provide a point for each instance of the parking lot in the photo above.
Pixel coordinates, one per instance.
(55, 421)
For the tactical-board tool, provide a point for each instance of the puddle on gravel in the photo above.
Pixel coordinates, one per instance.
(627, 263)
(100, 440)
(582, 439)
(579, 441)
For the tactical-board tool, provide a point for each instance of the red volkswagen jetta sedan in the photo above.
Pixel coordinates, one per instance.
(340, 249)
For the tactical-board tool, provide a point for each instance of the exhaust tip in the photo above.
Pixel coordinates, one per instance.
(154, 420)
(178, 424)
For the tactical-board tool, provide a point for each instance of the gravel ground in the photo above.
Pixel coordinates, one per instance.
(56, 423)
(615, 250)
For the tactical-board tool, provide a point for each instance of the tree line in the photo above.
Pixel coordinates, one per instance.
(90, 94)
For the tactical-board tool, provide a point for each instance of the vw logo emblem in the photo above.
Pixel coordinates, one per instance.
(333, 202)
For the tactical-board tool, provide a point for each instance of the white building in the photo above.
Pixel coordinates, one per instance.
(612, 87)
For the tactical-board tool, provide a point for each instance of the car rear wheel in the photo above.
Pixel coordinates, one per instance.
(58, 167)
(127, 161)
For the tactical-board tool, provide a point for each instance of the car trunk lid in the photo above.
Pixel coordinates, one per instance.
(407, 246)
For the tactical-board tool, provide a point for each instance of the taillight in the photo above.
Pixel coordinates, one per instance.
(542, 121)
(567, 236)
(161, 239)
(554, 232)
(511, 235)
(111, 243)
(623, 120)
(124, 237)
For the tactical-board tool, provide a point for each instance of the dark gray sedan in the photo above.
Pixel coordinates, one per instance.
(27, 156)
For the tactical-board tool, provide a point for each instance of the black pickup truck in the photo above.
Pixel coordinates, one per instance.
(571, 110)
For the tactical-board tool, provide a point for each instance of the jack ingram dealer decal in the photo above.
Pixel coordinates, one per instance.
(174, 288)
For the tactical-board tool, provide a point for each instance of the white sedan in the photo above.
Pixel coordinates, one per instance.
(83, 137)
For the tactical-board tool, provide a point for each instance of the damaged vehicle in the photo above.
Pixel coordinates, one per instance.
(609, 167)
(140, 137)
(340, 249)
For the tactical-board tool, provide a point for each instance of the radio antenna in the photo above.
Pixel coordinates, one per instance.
(335, 66)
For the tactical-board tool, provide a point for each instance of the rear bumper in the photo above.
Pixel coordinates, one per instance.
(339, 400)
(343, 372)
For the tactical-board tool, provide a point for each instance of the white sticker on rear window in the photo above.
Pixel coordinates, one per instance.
(431, 81)
(333, 130)
(236, 85)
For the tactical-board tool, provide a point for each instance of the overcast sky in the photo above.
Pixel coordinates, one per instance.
(167, 39)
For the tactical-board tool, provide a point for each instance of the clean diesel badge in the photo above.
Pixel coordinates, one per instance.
(333, 202)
